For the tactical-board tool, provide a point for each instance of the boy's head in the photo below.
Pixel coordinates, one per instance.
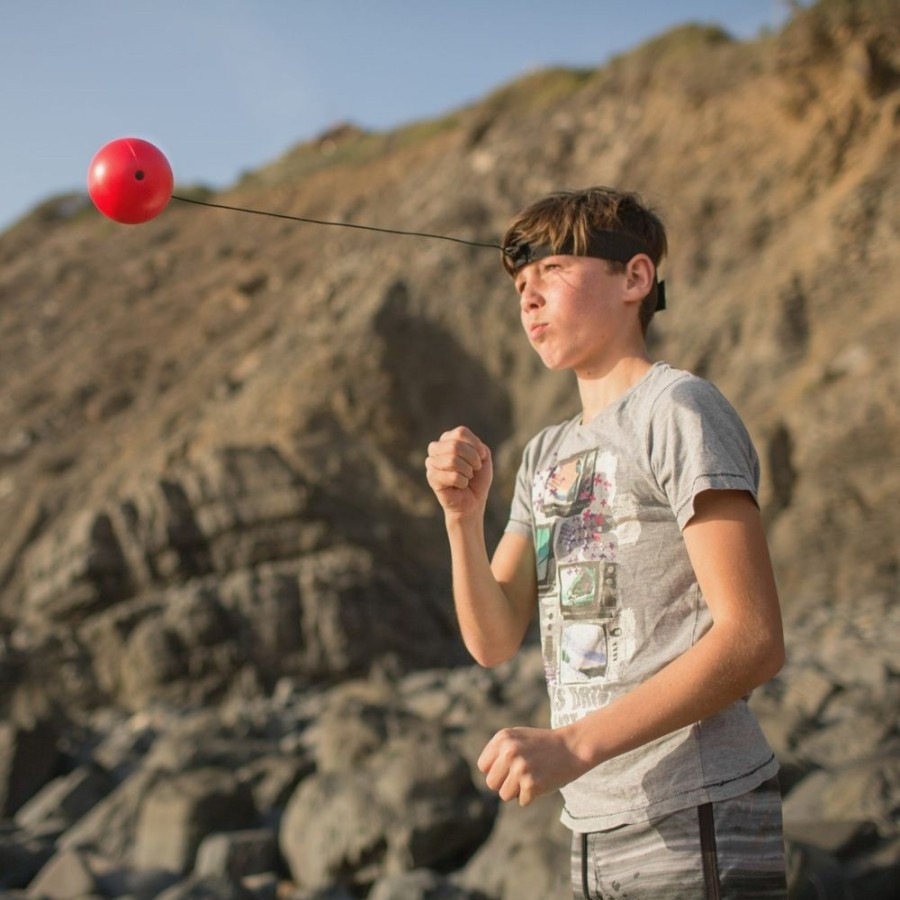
(597, 221)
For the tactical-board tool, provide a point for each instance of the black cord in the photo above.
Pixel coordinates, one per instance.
(259, 212)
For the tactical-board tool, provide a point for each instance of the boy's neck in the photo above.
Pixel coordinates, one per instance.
(600, 389)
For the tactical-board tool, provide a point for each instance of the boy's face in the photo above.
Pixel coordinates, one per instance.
(577, 314)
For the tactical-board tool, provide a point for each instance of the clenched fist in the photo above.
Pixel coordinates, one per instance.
(526, 763)
(460, 471)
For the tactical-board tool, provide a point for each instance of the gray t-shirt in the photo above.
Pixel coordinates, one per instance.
(605, 504)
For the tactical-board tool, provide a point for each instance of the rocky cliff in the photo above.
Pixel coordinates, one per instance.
(211, 439)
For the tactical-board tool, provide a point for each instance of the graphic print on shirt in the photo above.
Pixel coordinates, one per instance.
(585, 630)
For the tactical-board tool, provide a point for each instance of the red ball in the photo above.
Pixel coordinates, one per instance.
(130, 180)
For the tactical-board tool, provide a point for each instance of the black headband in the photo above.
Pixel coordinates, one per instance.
(612, 245)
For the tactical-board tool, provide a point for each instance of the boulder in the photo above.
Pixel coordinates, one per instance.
(109, 828)
(864, 791)
(421, 884)
(526, 855)
(237, 854)
(22, 856)
(199, 887)
(63, 801)
(74, 573)
(67, 876)
(179, 810)
(410, 804)
(123, 881)
(272, 778)
(29, 758)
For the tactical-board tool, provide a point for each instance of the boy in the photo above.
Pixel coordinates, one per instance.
(635, 534)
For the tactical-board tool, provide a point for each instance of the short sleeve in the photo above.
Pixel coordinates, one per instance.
(697, 442)
(520, 514)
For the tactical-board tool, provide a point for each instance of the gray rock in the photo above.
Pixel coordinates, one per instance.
(109, 828)
(66, 799)
(199, 738)
(114, 881)
(235, 855)
(29, 757)
(329, 615)
(411, 804)
(806, 690)
(421, 884)
(124, 743)
(440, 816)
(354, 724)
(874, 875)
(206, 888)
(180, 810)
(22, 856)
(858, 700)
(333, 830)
(74, 573)
(526, 855)
(837, 839)
(863, 792)
(837, 745)
(815, 875)
(66, 876)
(262, 887)
(332, 892)
(272, 779)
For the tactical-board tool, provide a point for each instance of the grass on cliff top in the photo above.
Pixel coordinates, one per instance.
(534, 91)
(347, 145)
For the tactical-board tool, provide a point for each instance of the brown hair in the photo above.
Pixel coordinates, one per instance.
(568, 218)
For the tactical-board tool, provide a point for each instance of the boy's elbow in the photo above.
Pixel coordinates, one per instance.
(778, 658)
(770, 657)
(489, 657)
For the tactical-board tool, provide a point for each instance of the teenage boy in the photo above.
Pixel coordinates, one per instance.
(636, 536)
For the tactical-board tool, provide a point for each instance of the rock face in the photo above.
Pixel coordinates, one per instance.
(369, 788)
(229, 664)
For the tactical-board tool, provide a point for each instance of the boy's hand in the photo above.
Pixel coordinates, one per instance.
(529, 762)
(459, 472)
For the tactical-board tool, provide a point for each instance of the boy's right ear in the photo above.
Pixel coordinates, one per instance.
(640, 275)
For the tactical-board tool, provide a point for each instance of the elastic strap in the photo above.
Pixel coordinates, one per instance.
(708, 851)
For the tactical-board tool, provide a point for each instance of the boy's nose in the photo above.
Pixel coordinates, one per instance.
(530, 296)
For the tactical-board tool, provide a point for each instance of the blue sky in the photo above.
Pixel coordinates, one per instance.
(224, 86)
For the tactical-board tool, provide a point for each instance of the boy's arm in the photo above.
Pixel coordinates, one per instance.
(743, 648)
(494, 601)
(495, 598)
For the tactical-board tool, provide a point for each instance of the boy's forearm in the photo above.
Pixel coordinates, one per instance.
(529, 762)
(725, 665)
(490, 628)
(743, 648)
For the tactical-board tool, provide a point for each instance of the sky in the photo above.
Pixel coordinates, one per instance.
(223, 87)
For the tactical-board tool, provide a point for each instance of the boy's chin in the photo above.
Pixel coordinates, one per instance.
(554, 364)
